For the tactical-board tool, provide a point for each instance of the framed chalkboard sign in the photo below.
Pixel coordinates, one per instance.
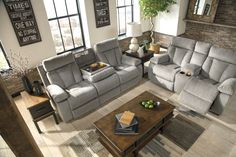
(23, 21)
(101, 10)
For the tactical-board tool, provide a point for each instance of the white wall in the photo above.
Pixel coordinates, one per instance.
(172, 23)
(34, 52)
(94, 34)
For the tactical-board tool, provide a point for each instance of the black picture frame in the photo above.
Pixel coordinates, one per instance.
(23, 20)
(102, 13)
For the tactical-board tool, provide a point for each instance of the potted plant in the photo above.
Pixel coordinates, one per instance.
(20, 69)
(150, 9)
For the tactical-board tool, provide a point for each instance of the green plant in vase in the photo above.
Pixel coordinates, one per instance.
(150, 9)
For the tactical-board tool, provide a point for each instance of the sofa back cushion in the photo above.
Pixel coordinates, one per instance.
(180, 50)
(62, 70)
(85, 57)
(200, 53)
(220, 64)
(108, 51)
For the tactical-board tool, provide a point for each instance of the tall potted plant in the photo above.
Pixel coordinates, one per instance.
(150, 9)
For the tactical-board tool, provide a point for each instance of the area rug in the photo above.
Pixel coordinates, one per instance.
(182, 131)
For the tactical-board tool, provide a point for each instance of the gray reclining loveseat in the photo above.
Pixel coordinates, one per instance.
(204, 75)
(74, 94)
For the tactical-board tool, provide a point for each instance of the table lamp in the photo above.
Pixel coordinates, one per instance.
(133, 30)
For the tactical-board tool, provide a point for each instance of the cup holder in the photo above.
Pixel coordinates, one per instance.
(188, 74)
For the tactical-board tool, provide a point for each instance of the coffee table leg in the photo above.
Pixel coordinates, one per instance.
(37, 126)
(55, 118)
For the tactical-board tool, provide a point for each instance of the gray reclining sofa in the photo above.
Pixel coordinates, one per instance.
(74, 94)
(204, 75)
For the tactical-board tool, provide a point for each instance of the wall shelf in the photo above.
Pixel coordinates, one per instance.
(211, 24)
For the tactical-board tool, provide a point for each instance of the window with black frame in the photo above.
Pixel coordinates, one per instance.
(124, 15)
(65, 23)
(4, 63)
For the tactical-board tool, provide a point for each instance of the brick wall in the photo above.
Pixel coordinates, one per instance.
(226, 12)
(218, 35)
(221, 36)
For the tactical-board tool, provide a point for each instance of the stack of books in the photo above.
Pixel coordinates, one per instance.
(126, 124)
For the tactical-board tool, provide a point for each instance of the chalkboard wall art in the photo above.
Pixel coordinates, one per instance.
(101, 10)
(23, 21)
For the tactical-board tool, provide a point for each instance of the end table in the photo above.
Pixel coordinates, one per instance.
(146, 57)
(39, 107)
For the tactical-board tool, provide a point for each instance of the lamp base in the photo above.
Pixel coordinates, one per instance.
(134, 45)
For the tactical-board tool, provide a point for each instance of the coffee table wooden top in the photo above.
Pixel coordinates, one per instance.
(147, 118)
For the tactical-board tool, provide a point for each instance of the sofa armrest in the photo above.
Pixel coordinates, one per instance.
(99, 75)
(191, 69)
(162, 58)
(57, 93)
(228, 86)
(130, 60)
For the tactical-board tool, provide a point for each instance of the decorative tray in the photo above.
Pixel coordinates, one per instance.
(94, 68)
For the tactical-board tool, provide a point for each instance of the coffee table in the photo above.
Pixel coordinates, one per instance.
(151, 122)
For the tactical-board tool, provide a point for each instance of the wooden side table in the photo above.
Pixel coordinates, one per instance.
(146, 57)
(39, 107)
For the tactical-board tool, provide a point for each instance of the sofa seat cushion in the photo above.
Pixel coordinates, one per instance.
(127, 73)
(80, 94)
(208, 80)
(107, 84)
(166, 72)
(198, 95)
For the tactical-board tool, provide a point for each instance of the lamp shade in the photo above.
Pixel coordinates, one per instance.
(133, 29)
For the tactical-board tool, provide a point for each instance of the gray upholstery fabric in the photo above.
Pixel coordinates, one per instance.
(200, 53)
(162, 58)
(228, 54)
(107, 84)
(64, 110)
(198, 95)
(215, 64)
(57, 93)
(129, 84)
(58, 61)
(130, 60)
(109, 52)
(127, 74)
(220, 64)
(65, 72)
(85, 109)
(166, 71)
(85, 57)
(183, 43)
(228, 86)
(219, 103)
(192, 69)
(99, 75)
(180, 81)
(43, 75)
(179, 56)
(80, 94)
(65, 76)
(109, 95)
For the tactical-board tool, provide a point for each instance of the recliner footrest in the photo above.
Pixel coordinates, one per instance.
(198, 95)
